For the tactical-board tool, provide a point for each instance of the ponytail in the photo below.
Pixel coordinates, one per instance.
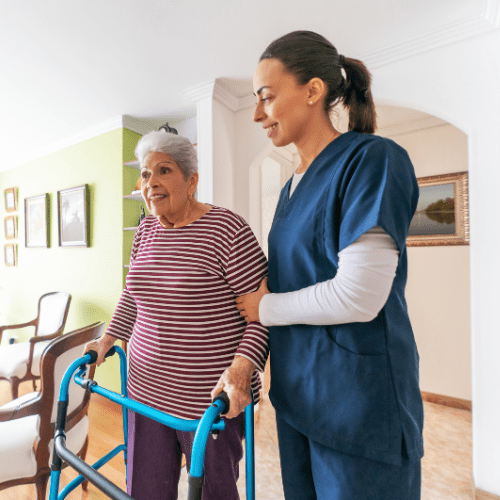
(357, 96)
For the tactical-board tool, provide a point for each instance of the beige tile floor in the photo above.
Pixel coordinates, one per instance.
(446, 467)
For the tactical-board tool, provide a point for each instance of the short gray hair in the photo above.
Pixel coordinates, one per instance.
(179, 148)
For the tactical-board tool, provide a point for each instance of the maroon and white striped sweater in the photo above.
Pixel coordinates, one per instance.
(178, 310)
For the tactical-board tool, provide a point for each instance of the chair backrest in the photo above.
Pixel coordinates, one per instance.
(52, 312)
(59, 354)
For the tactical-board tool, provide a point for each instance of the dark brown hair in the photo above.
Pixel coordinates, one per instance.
(308, 55)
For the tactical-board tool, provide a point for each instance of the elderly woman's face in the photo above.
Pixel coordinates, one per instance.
(164, 187)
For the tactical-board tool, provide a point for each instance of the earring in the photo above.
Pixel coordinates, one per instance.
(310, 102)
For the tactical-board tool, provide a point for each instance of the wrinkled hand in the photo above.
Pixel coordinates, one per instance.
(100, 346)
(249, 304)
(236, 382)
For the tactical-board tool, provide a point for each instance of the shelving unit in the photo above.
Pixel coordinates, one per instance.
(133, 164)
(134, 196)
(132, 202)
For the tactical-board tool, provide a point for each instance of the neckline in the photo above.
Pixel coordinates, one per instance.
(324, 152)
(187, 225)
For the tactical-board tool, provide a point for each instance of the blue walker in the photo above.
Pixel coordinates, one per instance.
(210, 422)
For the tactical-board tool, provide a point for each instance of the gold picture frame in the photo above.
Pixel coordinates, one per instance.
(11, 227)
(442, 216)
(10, 196)
(10, 254)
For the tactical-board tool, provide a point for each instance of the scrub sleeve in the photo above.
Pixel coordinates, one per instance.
(350, 387)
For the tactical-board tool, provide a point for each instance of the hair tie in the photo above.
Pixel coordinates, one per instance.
(341, 60)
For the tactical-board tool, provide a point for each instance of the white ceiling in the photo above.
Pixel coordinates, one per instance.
(70, 66)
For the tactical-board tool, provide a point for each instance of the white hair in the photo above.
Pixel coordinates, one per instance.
(179, 148)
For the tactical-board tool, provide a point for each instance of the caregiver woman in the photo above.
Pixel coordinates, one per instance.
(344, 364)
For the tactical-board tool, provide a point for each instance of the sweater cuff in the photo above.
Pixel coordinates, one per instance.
(273, 310)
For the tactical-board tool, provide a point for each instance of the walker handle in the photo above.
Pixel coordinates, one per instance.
(224, 398)
(93, 355)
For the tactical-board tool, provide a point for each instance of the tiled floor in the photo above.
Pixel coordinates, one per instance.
(446, 467)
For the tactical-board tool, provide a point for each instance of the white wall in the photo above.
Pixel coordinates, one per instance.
(251, 143)
(459, 83)
(438, 289)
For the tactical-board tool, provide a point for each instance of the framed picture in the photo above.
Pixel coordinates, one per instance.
(10, 199)
(36, 214)
(11, 227)
(442, 216)
(73, 211)
(10, 255)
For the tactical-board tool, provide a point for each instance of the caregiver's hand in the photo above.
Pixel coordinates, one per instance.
(249, 304)
(236, 382)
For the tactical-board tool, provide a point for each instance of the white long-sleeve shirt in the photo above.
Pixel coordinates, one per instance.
(357, 293)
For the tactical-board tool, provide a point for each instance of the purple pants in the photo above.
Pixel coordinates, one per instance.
(154, 459)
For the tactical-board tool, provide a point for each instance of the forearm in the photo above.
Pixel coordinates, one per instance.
(244, 366)
(108, 341)
(357, 293)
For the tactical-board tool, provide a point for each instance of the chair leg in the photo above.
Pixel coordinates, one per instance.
(34, 384)
(41, 486)
(83, 455)
(14, 387)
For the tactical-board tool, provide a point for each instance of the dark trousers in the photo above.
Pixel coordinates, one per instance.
(154, 459)
(312, 471)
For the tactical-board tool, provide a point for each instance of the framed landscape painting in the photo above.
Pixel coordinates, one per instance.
(73, 211)
(442, 216)
(36, 212)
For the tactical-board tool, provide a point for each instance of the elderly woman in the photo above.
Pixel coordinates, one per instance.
(187, 340)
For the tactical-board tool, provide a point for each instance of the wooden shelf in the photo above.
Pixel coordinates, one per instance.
(134, 164)
(137, 197)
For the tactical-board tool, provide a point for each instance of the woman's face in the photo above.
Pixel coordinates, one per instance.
(282, 106)
(164, 188)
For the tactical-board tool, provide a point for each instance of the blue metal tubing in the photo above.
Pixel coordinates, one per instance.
(201, 436)
(209, 422)
(249, 451)
(173, 422)
(200, 441)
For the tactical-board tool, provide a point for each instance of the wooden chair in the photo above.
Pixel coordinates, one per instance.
(27, 424)
(21, 362)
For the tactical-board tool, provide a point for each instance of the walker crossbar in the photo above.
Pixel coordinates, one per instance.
(210, 422)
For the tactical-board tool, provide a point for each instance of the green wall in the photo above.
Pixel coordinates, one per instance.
(93, 276)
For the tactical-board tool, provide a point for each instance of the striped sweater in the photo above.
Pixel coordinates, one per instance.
(178, 310)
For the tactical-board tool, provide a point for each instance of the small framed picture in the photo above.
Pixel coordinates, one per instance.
(10, 199)
(11, 227)
(442, 216)
(10, 255)
(72, 205)
(36, 213)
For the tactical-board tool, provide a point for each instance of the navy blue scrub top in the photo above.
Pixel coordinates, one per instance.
(353, 387)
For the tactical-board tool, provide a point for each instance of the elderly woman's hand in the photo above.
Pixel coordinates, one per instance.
(249, 304)
(101, 346)
(236, 382)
